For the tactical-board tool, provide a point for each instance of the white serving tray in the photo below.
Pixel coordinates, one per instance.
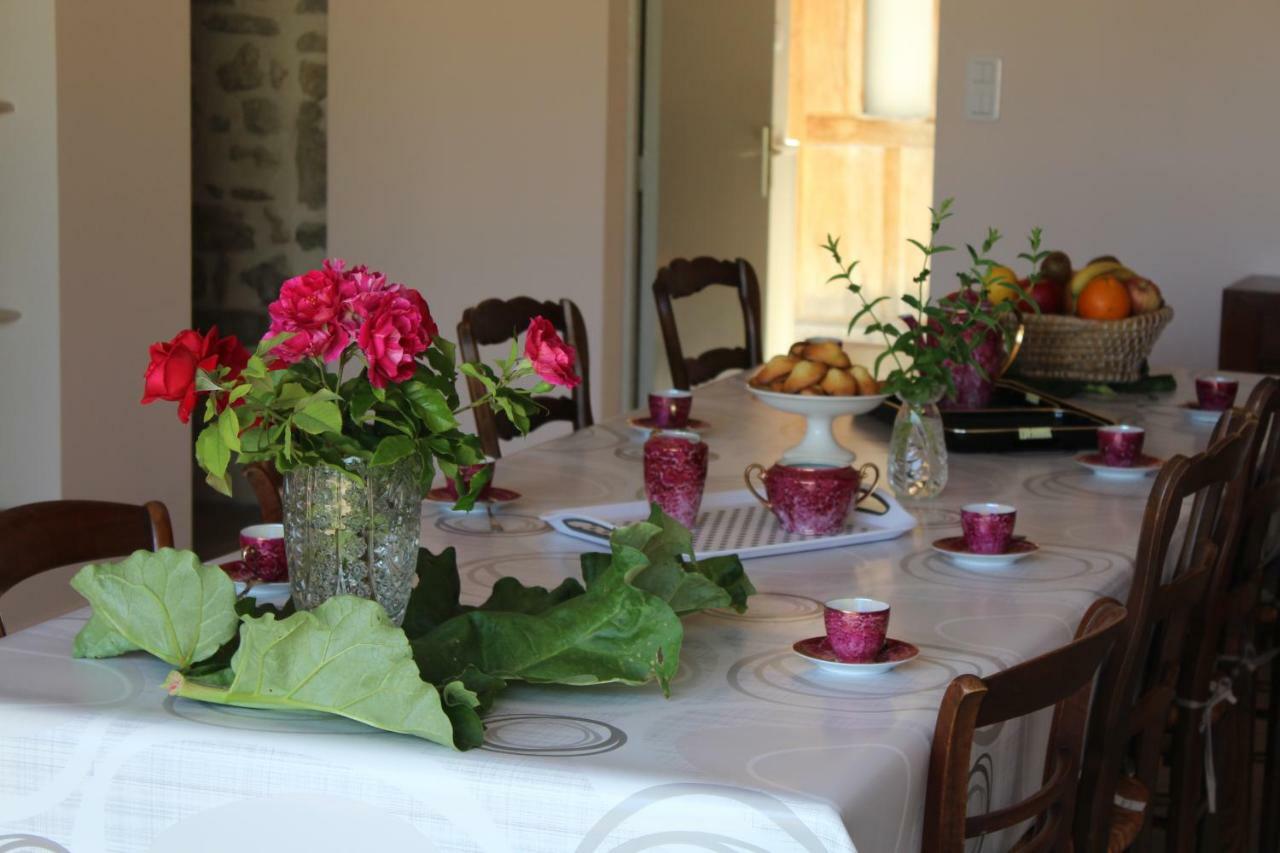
(736, 523)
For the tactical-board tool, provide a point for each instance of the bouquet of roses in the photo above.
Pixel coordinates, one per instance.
(351, 373)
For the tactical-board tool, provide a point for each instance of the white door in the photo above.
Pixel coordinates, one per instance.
(704, 168)
(30, 449)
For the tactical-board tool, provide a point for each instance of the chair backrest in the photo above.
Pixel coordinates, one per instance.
(1189, 532)
(1262, 500)
(37, 537)
(266, 483)
(1062, 679)
(682, 278)
(496, 321)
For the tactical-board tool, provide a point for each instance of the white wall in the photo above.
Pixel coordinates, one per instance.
(468, 152)
(1146, 129)
(30, 453)
(95, 231)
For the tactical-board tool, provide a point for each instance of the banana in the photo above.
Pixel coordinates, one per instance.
(1083, 276)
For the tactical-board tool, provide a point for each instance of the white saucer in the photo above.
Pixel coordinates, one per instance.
(1144, 466)
(952, 547)
(1199, 415)
(816, 650)
(275, 594)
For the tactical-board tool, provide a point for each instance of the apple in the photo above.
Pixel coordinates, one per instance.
(1144, 294)
(1047, 294)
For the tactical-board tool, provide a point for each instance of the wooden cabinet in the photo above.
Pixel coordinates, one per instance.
(1250, 335)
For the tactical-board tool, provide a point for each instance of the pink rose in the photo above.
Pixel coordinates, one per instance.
(398, 327)
(552, 358)
(358, 290)
(311, 305)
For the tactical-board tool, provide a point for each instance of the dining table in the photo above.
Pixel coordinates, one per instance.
(756, 749)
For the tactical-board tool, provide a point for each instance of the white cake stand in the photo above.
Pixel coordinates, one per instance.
(819, 444)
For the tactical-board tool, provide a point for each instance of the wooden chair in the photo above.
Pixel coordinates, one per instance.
(682, 278)
(266, 483)
(37, 537)
(1199, 675)
(496, 321)
(1062, 679)
(1137, 686)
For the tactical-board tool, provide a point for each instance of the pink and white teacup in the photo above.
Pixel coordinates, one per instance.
(675, 473)
(670, 409)
(856, 628)
(812, 499)
(1216, 393)
(988, 527)
(467, 473)
(262, 549)
(1120, 444)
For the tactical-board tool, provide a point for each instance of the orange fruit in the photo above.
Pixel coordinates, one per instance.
(1104, 298)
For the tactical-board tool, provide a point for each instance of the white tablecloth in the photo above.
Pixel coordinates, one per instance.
(755, 750)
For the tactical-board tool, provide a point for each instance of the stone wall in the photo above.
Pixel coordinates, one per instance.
(258, 85)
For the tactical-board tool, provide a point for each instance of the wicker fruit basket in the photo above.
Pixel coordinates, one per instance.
(1062, 347)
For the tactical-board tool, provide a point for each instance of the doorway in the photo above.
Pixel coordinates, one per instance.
(764, 126)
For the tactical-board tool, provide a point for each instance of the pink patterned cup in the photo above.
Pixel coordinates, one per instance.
(1120, 445)
(856, 628)
(815, 499)
(262, 548)
(1216, 393)
(675, 473)
(467, 473)
(670, 409)
(988, 528)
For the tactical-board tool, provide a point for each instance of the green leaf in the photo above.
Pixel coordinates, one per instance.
(430, 405)
(611, 633)
(393, 448)
(345, 658)
(266, 345)
(514, 597)
(211, 452)
(164, 602)
(319, 417)
(435, 599)
(229, 429)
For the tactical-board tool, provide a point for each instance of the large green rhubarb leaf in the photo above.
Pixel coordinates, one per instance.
(164, 602)
(613, 632)
(673, 574)
(345, 658)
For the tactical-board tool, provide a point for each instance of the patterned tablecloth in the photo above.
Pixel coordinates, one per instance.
(755, 750)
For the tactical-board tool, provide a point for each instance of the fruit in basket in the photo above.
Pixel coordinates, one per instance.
(1104, 298)
(816, 367)
(1045, 293)
(1144, 295)
(1111, 258)
(1081, 279)
(997, 285)
(1056, 267)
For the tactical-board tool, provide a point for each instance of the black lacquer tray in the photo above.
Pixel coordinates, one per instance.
(1019, 418)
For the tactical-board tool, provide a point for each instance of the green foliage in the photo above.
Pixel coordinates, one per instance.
(344, 658)
(623, 627)
(164, 602)
(304, 414)
(934, 332)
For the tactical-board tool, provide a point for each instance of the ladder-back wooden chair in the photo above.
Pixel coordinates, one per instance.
(1138, 684)
(682, 278)
(1061, 679)
(496, 321)
(38, 537)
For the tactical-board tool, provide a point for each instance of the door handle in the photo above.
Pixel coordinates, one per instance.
(8, 315)
(5, 107)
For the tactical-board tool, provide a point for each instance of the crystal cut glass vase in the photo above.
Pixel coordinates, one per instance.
(917, 451)
(353, 535)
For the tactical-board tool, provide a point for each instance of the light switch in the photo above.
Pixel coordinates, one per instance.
(982, 88)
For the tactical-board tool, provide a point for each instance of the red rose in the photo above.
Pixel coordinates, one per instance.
(171, 375)
(310, 303)
(552, 358)
(398, 327)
